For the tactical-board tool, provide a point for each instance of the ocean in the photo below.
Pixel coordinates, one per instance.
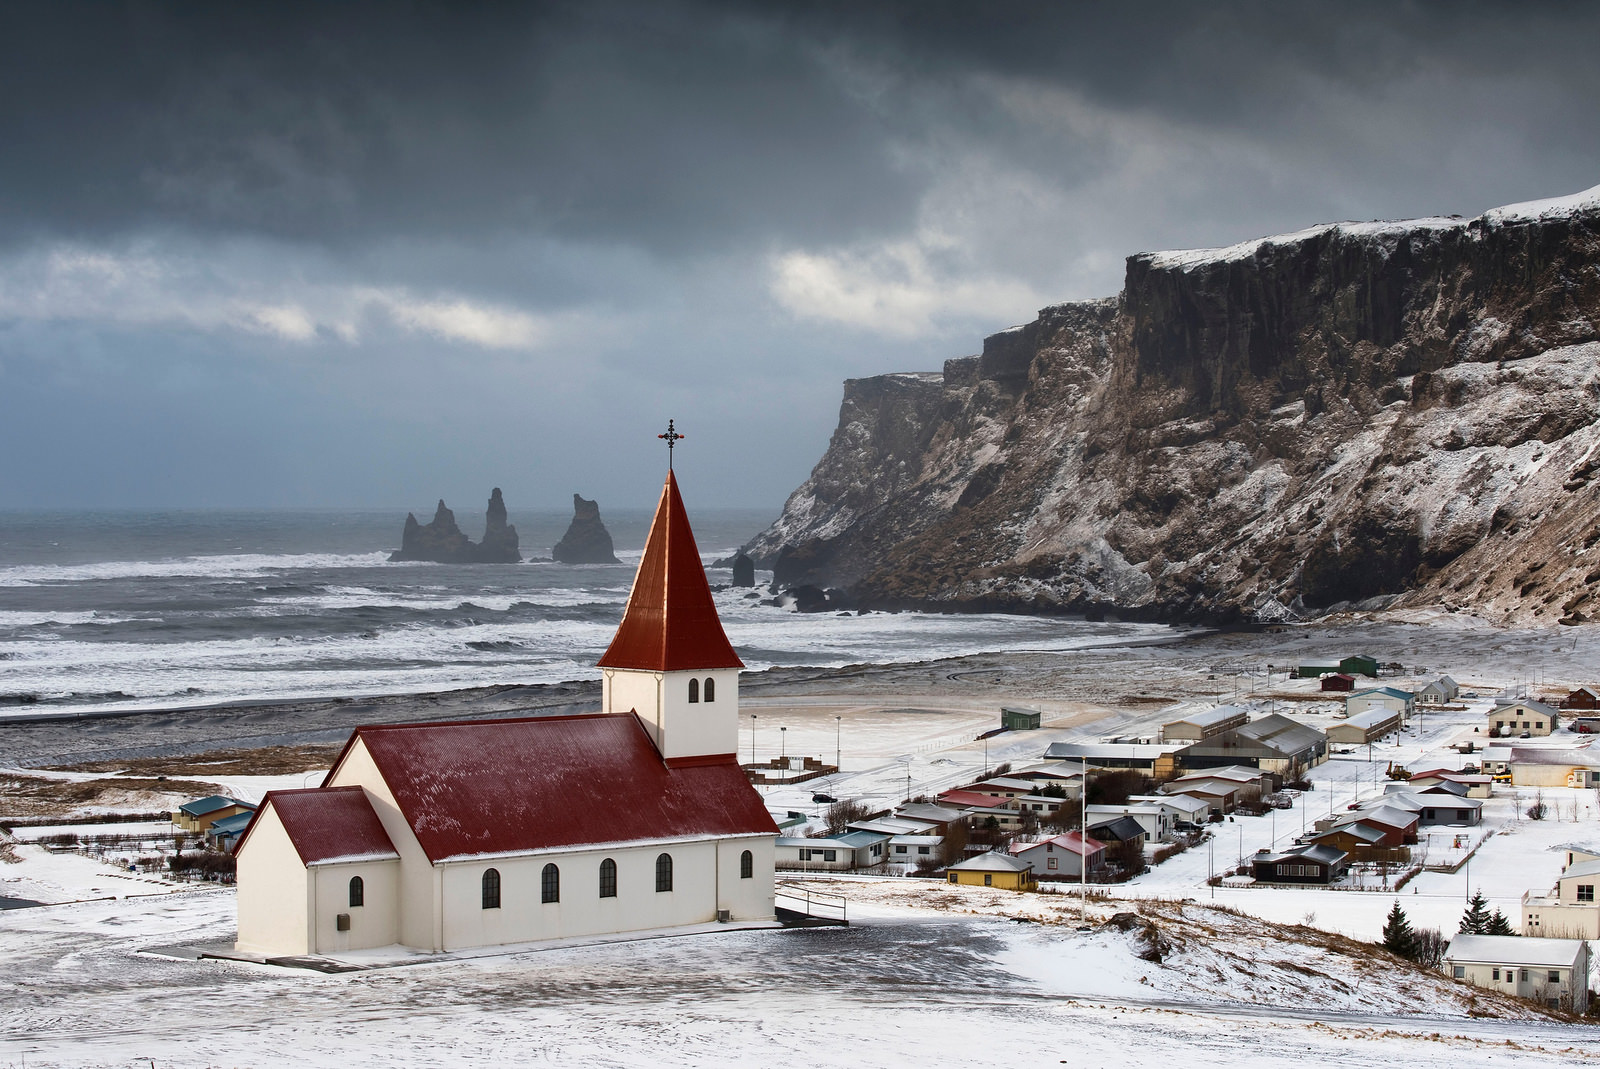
(188, 608)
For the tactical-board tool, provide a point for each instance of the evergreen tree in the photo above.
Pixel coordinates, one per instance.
(1475, 921)
(1498, 925)
(1398, 938)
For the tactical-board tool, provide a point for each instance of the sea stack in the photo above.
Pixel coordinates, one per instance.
(744, 570)
(440, 541)
(587, 541)
(499, 544)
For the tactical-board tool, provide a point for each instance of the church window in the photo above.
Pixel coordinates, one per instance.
(711, 689)
(608, 878)
(664, 872)
(550, 884)
(491, 889)
(747, 865)
(358, 891)
(694, 691)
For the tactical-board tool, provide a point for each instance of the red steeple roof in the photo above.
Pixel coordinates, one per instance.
(671, 623)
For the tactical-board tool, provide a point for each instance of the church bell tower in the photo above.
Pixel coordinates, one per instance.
(670, 662)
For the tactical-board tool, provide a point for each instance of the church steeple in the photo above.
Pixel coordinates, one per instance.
(670, 661)
(671, 621)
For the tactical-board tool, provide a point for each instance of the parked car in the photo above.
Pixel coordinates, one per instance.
(823, 799)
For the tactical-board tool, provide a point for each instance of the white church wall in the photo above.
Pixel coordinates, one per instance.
(630, 691)
(701, 727)
(752, 899)
(417, 883)
(374, 923)
(274, 892)
(522, 917)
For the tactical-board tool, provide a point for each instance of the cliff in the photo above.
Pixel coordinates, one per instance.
(442, 542)
(587, 541)
(1371, 413)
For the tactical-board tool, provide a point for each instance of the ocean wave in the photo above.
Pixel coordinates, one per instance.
(222, 566)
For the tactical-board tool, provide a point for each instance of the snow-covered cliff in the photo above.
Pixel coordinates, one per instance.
(1348, 413)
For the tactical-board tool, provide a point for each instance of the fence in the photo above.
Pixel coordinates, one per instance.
(811, 902)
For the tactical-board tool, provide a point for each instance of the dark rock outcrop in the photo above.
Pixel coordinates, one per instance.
(1357, 413)
(442, 542)
(587, 541)
(744, 569)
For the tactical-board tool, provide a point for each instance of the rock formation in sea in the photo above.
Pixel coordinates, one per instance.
(1359, 414)
(744, 569)
(587, 541)
(442, 542)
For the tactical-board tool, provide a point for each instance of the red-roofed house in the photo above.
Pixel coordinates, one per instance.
(1061, 857)
(441, 836)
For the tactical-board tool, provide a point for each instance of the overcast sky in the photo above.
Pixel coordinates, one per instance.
(378, 254)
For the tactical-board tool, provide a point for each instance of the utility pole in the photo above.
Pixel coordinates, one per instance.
(838, 723)
(752, 738)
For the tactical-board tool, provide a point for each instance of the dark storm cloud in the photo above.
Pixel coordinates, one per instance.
(663, 124)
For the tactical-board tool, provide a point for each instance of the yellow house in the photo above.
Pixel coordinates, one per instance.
(200, 814)
(993, 870)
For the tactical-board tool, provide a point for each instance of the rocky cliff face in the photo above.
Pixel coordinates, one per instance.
(442, 542)
(1357, 413)
(587, 541)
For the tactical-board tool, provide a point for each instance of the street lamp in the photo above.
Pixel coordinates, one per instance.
(752, 738)
(838, 722)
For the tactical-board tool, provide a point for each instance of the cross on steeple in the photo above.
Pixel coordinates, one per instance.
(671, 438)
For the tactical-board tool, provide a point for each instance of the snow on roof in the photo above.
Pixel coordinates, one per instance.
(1514, 950)
(1208, 717)
(1364, 832)
(326, 824)
(1396, 815)
(1373, 717)
(973, 800)
(1391, 692)
(939, 814)
(509, 786)
(1072, 842)
(1582, 757)
(857, 839)
(1581, 868)
(990, 862)
(671, 621)
(1231, 773)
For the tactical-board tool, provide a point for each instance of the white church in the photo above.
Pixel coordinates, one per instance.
(443, 836)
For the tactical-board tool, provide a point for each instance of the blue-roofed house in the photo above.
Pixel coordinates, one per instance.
(224, 833)
(198, 815)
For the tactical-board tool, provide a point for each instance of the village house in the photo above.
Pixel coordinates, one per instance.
(1120, 831)
(1360, 841)
(1444, 804)
(1365, 727)
(1400, 702)
(1571, 909)
(1156, 758)
(832, 853)
(1554, 972)
(993, 870)
(441, 836)
(1338, 681)
(1582, 698)
(1478, 785)
(1155, 820)
(937, 817)
(1317, 863)
(1552, 766)
(1272, 743)
(915, 850)
(1062, 857)
(1196, 727)
(1522, 719)
(1186, 810)
(200, 814)
(1356, 665)
(1441, 691)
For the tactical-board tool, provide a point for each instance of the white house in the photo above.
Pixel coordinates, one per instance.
(1522, 718)
(1571, 909)
(1155, 819)
(1552, 971)
(1061, 857)
(1391, 698)
(1441, 691)
(440, 836)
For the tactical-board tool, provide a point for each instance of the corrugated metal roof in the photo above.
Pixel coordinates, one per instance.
(1514, 950)
(201, 806)
(671, 621)
(325, 823)
(508, 786)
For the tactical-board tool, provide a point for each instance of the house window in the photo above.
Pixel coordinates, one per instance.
(1524, 975)
(694, 691)
(1496, 975)
(900, 848)
(550, 884)
(747, 865)
(1050, 862)
(1554, 977)
(711, 689)
(988, 880)
(608, 878)
(922, 850)
(830, 855)
(1459, 972)
(358, 891)
(1585, 892)
(952, 877)
(664, 872)
(491, 889)
(1538, 724)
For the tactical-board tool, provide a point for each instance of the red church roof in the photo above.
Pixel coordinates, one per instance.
(671, 622)
(326, 824)
(509, 786)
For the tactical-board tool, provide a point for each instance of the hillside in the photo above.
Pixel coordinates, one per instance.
(1358, 413)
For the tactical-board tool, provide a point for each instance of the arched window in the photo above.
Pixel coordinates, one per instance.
(664, 872)
(358, 891)
(608, 878)
(711, 689)
(747, 865)
(694, 691)
(550, 884)
(491, 888)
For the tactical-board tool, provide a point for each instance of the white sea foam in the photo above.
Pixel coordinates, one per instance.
(230, 566)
